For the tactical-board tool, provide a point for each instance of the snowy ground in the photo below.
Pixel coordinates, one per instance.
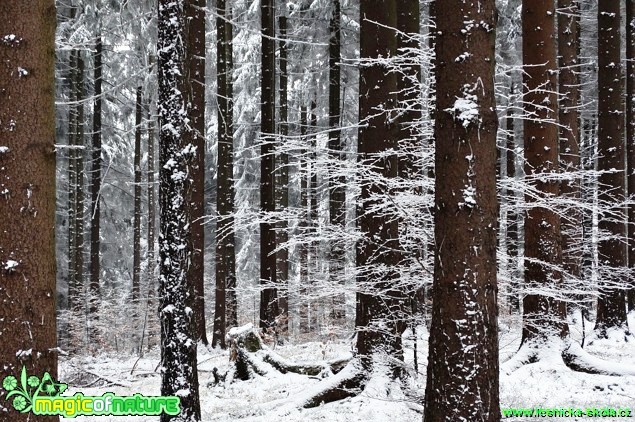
(543, 384)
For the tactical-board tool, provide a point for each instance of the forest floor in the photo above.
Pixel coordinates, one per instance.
(544, 384)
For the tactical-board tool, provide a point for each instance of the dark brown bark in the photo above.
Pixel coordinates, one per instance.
(410, 115)
(314, 246)
(611, 312)
(231, 298)
(283, 180)
(27, 187)
(460, 382)
(195, 10)
(225, 254)
(95, 214)
(269, 308)
(378, 251)
(630, 139)
(176, 158)
(136, 226)
(542, 316)
(569, 116)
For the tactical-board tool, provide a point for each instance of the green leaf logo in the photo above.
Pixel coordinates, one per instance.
(28, 388)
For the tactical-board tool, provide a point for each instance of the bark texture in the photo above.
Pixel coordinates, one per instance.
(542, 316)
(27, 190)
(195, 10)
(378, 291)
(176, 154)
(460, 382)
(269, 309)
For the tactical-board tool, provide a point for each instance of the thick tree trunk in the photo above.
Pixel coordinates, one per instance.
(378, 290)
(176, 154)
(27, 188)
(195, 10)
(269, 308)
(611, 152)
(630, 139)
(459, 381)
(542, 316)
(225, 254)
(95, 214)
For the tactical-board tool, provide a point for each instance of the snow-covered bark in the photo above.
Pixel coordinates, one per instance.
(462, 378)
(176, 152)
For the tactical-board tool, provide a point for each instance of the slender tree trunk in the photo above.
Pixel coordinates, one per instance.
(136, 229)
(283, 181)
(611, 152)
(231, 297)
(78, 230)
(460, 382)
(410, 115)
(304, 226)
(630, 139)
(195, 10)
(314, 246)
(176, 155)
(269, 308)
(569, 116)
(95, 217)
(72, 181)
(27, 187)
(512, 217)
(337, 181)
(152, 204)
(542, 315)
(225, 254)
(378, 251)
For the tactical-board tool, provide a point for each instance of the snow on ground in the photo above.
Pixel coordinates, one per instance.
(544, 384)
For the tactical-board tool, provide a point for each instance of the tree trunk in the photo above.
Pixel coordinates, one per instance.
(459, 381)
(611, 152)
(95, 217)
(512, 216)
(27, 190)
(304, 227)
(269, 308)
(337, 181)
(542, 315)
(283, 182)
(136, 265)
(195, 10)
(378, 287)
(225, 254)
(176, 155)
(152, 203)
(73, 289)
(630, 139)
(569, 95)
